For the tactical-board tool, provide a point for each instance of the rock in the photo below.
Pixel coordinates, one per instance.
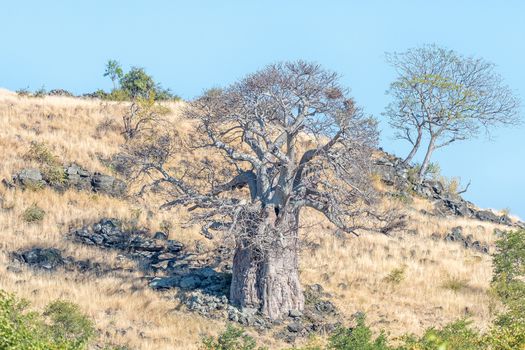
(190, 282)
(45, 258)
(77, 177)
(456, 235)
(164, 282)
(29, 177)
(325, 307)
(160, 235)
(295, 313)
(487, 215)
(8, 184)
(457, 207)
(295, 327)
(108, 185)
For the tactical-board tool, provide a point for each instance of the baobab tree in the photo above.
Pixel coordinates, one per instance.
(262, 126)
(441, 97)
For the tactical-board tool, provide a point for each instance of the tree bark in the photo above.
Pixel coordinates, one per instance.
(426, 161)
(414, 150)
(268, 282)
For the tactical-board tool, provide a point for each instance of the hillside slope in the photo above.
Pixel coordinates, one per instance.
(404, 283)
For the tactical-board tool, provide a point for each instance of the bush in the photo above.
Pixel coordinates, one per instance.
(455, 336)
(40, 153)
(396, 276)
(63, 327)
(23, 92)
(68, 325)
(455, 284)
(232, 338)
(359, 337)
(54, 174)
(33, 214)
(509, 276)
(137, 83)
(40, 92)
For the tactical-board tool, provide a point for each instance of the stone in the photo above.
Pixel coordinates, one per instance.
(487, 215)
(160, 236)
(164, 282)
(45, 258)
(29, 177)
(190, 282)
(295, 327)
(295, 313)
(456, 235)
(108, 185)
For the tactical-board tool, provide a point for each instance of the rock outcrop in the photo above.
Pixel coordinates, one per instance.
(394, 173)
(74, 177)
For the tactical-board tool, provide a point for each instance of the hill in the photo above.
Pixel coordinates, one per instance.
(428, 274)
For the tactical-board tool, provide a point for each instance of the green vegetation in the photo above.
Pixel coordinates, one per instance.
(359, 337)
(233, 338)
(33, 214)
(61, 327)
(396, 276)
(52, 170)
(134, 84)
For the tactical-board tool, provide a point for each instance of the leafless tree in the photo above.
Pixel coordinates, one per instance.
(262, 125)
(442, 97)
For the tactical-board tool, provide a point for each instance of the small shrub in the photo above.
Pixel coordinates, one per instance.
(40, 153)
(232, 338)
(509, 275)
(54, 174)
(40, 92)
(33, 214)
(455, 284)
(396, 276)
(68, 324)
(23, 92)
(61, 327)
(359, 337)
(455, 336)
(118, 95)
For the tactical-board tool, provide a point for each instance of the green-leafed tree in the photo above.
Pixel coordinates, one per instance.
(114, 72)
(442, 97)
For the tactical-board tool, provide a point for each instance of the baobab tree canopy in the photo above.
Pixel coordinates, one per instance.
(294, 139)
(446, 98)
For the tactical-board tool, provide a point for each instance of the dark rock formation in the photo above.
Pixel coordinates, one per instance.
(74, 177)
(108, 185)
(51, 258)
(110, 233)
(44, 258)
(456, 235)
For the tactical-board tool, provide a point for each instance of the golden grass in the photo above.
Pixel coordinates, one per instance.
(354, 270)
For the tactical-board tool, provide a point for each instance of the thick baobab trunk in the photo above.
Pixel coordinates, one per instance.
(267, 282)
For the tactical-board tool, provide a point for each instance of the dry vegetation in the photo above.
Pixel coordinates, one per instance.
(404, 283)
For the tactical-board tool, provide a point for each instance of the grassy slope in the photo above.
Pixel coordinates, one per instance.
(353, 271)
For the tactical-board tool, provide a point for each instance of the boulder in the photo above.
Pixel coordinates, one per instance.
(108, 185)
(456, 235)
(44, 258)
(29, 177)
(77, 177)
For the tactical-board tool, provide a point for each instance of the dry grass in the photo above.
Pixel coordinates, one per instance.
(355, 271)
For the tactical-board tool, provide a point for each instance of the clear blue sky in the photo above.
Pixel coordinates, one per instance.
(189, 46)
